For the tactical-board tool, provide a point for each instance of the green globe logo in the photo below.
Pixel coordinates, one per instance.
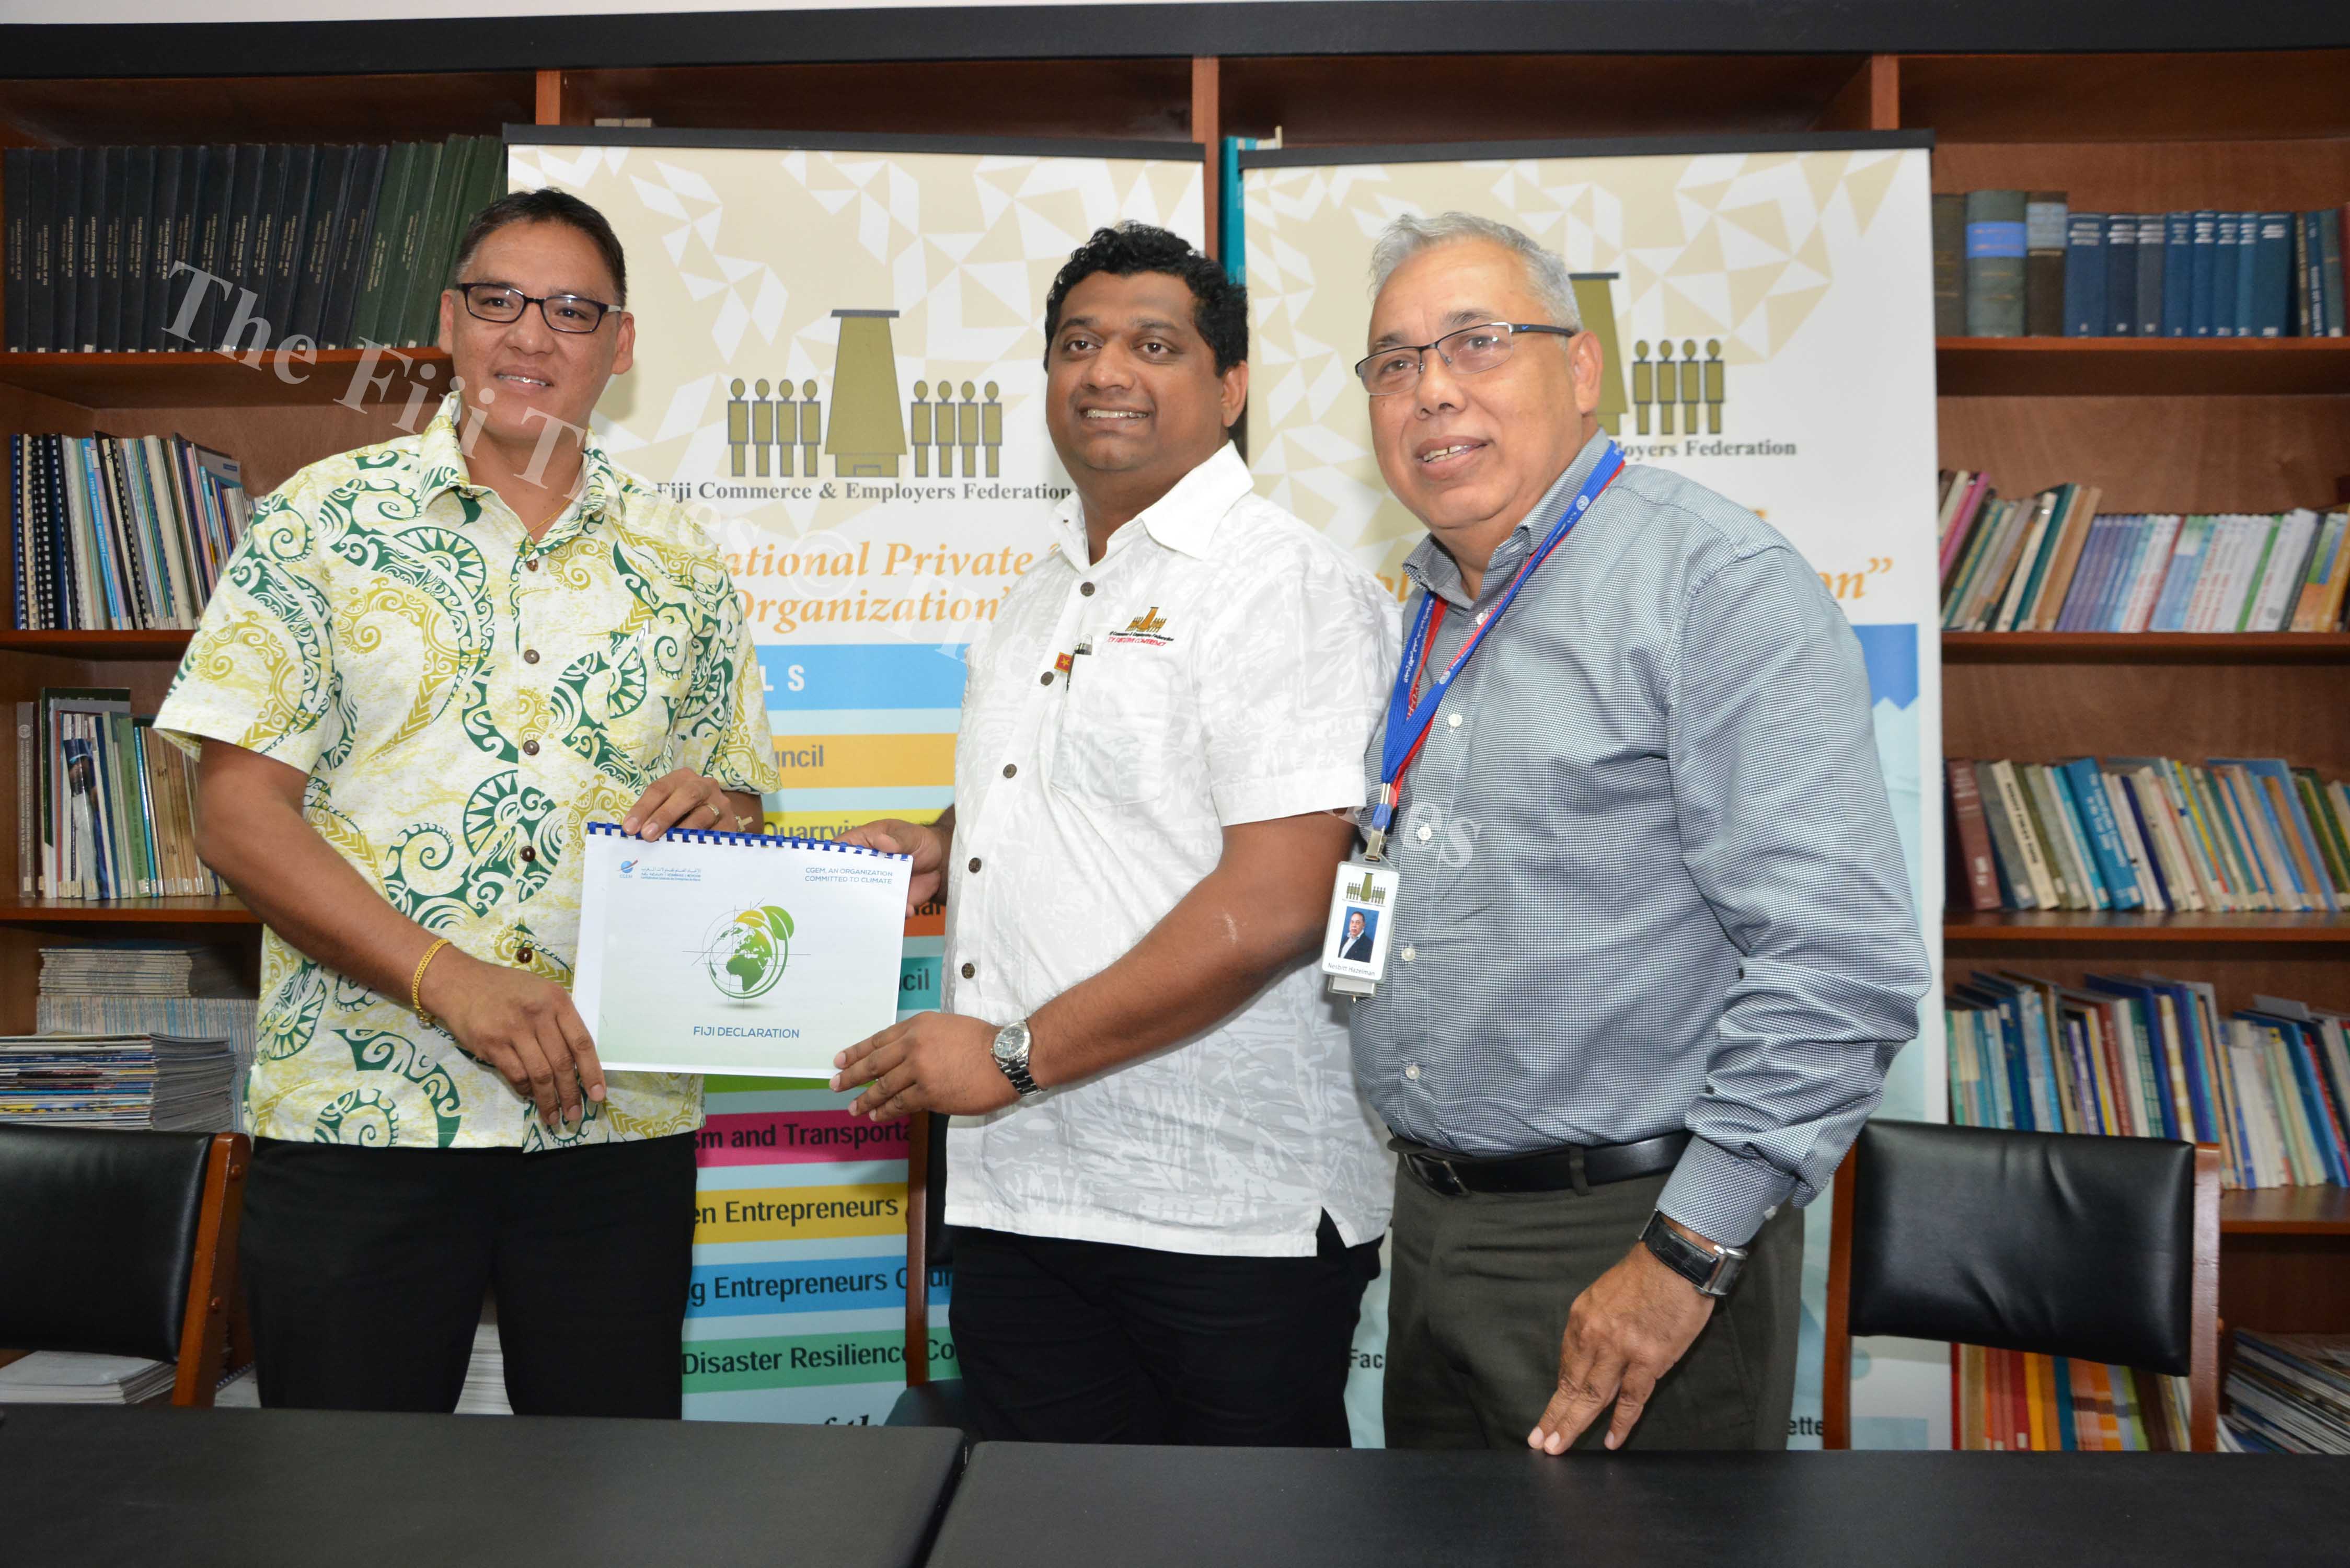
(744, 954)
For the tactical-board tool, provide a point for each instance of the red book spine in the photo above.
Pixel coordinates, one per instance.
(1974, 836)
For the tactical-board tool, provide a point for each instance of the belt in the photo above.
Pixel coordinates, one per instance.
(1576, 1167)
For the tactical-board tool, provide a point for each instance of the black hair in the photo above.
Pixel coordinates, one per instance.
(1219, 306)
(545, 206)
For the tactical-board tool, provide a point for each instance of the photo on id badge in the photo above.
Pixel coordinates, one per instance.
(1362, 910)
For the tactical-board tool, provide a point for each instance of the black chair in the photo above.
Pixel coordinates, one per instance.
(121, 1243)
(927, 1402)
(2106, 1249)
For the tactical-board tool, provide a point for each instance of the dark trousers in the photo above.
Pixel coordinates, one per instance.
(1479, 1302)
(1084, 1341)
(365, 1270)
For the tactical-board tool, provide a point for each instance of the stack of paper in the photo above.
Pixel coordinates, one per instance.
(126, 986)
(76, 1377)
(2289, 1393)
(166, 1083)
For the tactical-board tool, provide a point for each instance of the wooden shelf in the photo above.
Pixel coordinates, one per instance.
(1989, 927)
(2139, 367)
(2286, 1211)
(2145, 648)
(201, 911)
(101, 645)
(211, 379)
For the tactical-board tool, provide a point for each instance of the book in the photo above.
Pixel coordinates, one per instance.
(2044, 264)
(174, 174)
(1995, 264)
(352, 246)
(296, 194)
(2178, 273)
(2326, 265)
(2084, 275)
(1971, 834)
(378, 276)
(2248, 230)
(330, 194)
(2271, 276)
(2121, 275)
(121, 535)
(2205, 229)
(2225, 254)
(2152, 261)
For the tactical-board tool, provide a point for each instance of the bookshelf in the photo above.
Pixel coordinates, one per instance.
(2158, 424)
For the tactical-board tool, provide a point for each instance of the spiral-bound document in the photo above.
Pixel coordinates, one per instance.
(732, 952)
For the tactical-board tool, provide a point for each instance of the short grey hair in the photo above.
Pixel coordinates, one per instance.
(1408, 236)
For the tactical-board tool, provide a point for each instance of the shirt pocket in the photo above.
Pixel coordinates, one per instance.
(1125, 726)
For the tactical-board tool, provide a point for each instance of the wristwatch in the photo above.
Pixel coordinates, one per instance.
(1010, 1054)
(1711, 1269)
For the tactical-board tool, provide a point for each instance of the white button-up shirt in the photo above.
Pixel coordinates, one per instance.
(1227, 664)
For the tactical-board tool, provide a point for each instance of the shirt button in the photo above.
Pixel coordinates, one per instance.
(1452, 720)
(1409, 953)
(1048, 680)
(524, 952)
(530, 747)
(1425, 833)
(1772, 1212)
(1413, 1072)
(530, 656)
(531, 564)
(1011, 768)
(974, 863)
(1482, 615)
(528, 853)
(970, 970)
(1086, 590)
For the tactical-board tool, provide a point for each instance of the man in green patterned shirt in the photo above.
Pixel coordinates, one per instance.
(429, 666)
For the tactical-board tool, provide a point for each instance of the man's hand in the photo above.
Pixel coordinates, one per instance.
(1625, 1332)
(927, 845)
(683, 798)
(931, 1061)
(522, 1026)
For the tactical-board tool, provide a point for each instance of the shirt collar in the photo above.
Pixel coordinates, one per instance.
(1433, 568)
(1184, 519)
(442, 467)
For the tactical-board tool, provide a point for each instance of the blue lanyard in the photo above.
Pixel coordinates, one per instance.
(1409, 722)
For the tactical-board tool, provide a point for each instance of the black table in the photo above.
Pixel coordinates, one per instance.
(1045, 1506)
(255, 1488)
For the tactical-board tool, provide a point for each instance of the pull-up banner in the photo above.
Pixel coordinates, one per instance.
(1764, 309)
(839, 370)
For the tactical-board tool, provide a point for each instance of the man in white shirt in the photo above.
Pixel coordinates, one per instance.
(1167, 1195)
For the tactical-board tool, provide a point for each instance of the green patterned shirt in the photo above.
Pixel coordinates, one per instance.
(464, 701)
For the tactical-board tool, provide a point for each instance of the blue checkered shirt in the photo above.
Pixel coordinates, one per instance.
(1650, 879)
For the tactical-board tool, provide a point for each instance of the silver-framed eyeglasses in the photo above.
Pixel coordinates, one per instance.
(561, 312)
(1468, 351)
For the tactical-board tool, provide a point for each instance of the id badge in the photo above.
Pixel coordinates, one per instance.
(1362, 917)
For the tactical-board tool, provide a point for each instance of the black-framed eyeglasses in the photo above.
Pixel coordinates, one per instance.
(1467, 351)
(561, 312)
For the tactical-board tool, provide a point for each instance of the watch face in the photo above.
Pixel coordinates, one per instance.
(1011, 1043)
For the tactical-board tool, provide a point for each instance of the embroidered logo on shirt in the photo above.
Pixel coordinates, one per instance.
(1146, 628)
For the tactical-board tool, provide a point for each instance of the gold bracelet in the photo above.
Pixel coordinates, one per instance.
(416, 983)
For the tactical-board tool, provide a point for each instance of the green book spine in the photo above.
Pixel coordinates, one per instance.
(383, 245)
(1995, 262)
(1949, 235)
(2044, 264)
(432, 248)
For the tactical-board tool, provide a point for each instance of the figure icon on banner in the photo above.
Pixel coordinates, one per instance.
(1669, 386)
(811, 425)
(990, 432)
(1714, 372)
(763, 431)
(1692, 386)
(738, 424)
(917, 421)
(967, 420)
(1644, 385)
(787, 426)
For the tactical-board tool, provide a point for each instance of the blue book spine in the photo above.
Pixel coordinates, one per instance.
(2084, 275)
(2146, 836)
(2273, 276)
(2097, 556)
(2087, 787)
(2019, 1107)
(2329, 1152)
(2223, 276)
(2178, 273)
(2206, 247)
(2311, 258)
(2101, 889)
(2113, 592)
(2151, 265)
(2248, 241)
(2329, 236)
(2192, 1044)
(2121, 275)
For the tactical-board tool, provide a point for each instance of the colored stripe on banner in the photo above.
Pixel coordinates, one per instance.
(795, 1213)
(864, 762)
(785, 1137)
(826, 1284)
(790, 1361)
(863, 675)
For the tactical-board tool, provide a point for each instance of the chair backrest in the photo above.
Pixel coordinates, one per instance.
(2105, 1249)
(121, 1242)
